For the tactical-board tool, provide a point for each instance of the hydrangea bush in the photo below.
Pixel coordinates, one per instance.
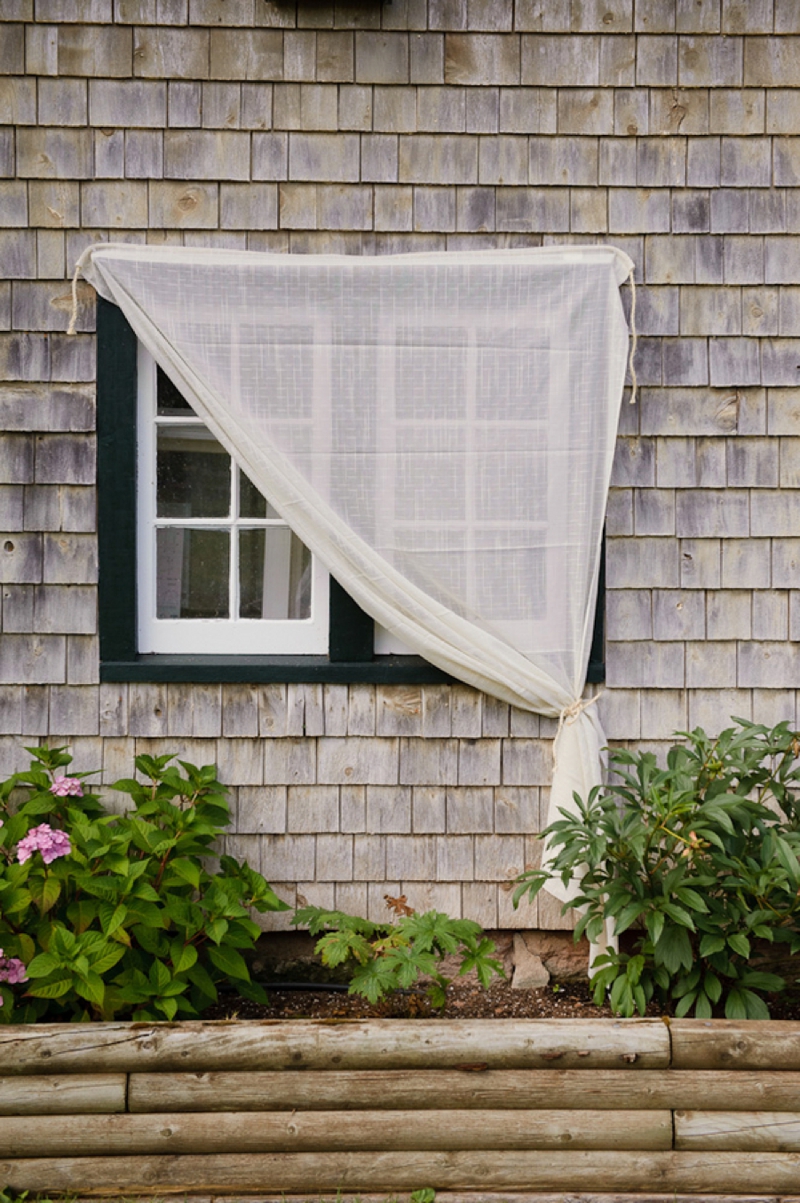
(106, 916)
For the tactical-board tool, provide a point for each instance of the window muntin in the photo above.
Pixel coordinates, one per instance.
(219, 570)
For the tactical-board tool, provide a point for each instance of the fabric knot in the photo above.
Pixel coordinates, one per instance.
(569, 714)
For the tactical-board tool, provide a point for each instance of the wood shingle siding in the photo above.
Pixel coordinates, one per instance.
(670, 129)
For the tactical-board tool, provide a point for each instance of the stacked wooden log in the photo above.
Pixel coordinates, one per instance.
(312, 1107)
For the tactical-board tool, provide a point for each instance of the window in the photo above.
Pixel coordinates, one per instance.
(218, 567)
(200, 580)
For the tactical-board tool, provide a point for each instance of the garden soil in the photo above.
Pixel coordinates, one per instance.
(309, 997)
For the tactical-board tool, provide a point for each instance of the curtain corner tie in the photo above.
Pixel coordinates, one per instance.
(634, 338)
(569, 714)
(79, 266)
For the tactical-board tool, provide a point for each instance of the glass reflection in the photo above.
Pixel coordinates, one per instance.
(192, 573)
(171, 403)
(193, 473)
(274, 574)
(252, 502)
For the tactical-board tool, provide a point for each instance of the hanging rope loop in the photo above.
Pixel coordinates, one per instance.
(79, 266)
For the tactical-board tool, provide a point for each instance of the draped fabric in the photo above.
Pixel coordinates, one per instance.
(438, 429)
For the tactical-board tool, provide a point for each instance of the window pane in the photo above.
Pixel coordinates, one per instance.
(252, 503)
(274, 574)
(194, 474)
(170, 401)
(192, 571)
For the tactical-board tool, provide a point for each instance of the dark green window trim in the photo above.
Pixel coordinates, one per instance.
(350, 658)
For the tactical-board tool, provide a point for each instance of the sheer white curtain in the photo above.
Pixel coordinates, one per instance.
(438, 429)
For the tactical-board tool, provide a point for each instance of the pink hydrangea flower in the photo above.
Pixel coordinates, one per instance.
(51, 843)
(11, 970)
(64, 787)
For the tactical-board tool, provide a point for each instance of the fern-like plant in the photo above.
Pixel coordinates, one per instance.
(394, 955)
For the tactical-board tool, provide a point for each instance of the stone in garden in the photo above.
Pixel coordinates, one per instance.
(529, 972)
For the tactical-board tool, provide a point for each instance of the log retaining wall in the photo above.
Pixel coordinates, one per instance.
(638, 1106)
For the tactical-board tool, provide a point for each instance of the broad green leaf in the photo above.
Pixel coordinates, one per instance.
(338, 947)
(373, 980)
(91, 988)
(116, 864)
(186, 869)
(183, 956)
(431, 930)
(712, 986)
(744, 1004)
(408, 964)
(703, 1010)
(621, 998)
(176, 986)
(145, 892)
(160, 977)
(82, 913)
(27, 948)
(112, 917)
(684, 1005)
(628, 916)
(107, 958)
(107, 888)
(654, 921)
(267, 900)
(740, 944)
(691, 899)
(129, 785)
(437, 993)
(216, 929)
(200, 978)
(168, 1005)
(678, 915)
(55, 989)
(228, 961)
(756, 979)
(254, 991)
(43, 965)
(788, 859)
(15, 901)
(48, 894)
(674, 949)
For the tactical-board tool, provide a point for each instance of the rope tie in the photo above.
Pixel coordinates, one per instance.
(634, 382)
(569, 714)
(79, 266)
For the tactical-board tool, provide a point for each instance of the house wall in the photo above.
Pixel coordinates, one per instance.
(668, 128)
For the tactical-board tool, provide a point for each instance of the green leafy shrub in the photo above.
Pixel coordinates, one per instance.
(391, 956)
(107, 916)
(696, 862)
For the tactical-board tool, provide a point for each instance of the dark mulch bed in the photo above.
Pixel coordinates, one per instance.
(572, 1000)
(465, 1001)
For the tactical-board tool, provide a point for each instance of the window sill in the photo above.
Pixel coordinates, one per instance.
(255, 670)
(383, 670)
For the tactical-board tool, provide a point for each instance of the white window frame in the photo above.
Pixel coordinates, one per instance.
(207, 636)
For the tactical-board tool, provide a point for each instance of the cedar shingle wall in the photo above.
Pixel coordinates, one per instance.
(668, 127)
